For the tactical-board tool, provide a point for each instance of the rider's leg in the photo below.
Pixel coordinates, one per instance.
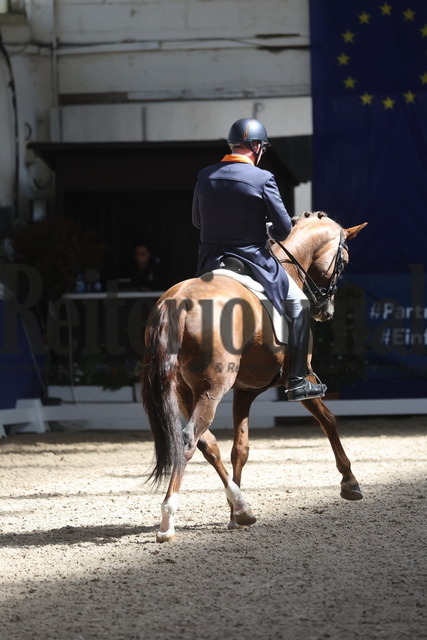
(297, 308)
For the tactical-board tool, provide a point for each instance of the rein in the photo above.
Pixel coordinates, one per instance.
(318, 296)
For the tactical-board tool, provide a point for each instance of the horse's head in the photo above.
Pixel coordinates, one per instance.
(324, 251)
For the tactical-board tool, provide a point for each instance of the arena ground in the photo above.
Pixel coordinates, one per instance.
(79, 561)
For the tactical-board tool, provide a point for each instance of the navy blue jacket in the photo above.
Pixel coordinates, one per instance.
(232, 202)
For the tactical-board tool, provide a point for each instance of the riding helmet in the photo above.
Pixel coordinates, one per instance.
(248, 130)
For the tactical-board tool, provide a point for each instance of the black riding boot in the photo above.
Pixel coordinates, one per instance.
(299, 334)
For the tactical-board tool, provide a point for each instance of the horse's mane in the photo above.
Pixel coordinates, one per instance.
(298, 217)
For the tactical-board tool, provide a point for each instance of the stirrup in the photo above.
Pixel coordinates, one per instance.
(306, 390)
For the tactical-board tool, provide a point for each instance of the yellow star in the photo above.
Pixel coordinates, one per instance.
(386, 9)
(364, 18)
(409, 14)
(424, 31)
(423, 78)
(348, 36)
(343, 59)
(388, 103)
(349, 82)
(409, 96)
(367, 98)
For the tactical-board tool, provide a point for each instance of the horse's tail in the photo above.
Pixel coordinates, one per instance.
(163, 340)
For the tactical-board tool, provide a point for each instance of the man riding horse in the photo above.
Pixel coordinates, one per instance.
(233, 200)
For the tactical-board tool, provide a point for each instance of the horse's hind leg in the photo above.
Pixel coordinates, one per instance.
(169, 505)
(202, 415)
(350, 489)
(209, 447)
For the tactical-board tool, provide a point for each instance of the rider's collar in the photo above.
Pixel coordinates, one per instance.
(236, 157)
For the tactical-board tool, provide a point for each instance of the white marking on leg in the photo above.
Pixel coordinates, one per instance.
(167, 525)
(236, 498)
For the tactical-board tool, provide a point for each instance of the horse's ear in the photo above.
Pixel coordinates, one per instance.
(353, 231)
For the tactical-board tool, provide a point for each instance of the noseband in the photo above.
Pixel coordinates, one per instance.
(319, 296)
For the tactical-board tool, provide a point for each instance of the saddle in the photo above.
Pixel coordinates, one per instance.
(235, 264)
(236, 269)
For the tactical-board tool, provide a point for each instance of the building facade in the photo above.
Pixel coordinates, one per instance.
(143, 71)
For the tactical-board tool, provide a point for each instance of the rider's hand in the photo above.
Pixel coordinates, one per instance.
(269, 226)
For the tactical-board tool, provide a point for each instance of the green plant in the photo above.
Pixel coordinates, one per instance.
(340, 344)
(99, 371)
(59, 249)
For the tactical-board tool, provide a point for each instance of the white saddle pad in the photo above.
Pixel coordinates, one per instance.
(279, 323)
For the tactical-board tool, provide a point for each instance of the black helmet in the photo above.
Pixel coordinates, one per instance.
(248, 130)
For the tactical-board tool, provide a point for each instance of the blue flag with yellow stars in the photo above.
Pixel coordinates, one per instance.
(369, 87)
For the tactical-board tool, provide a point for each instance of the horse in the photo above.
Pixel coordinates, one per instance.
(210, 334)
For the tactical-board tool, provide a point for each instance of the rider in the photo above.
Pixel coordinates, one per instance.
(233, 200)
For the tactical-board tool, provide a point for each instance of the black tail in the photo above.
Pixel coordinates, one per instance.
(163, 339)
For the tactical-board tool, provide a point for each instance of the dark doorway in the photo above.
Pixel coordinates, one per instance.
(162, 218)
(127, 190)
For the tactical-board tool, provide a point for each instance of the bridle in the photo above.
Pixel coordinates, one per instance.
(319, 296)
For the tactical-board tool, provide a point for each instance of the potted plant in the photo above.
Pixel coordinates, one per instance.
(96, 378)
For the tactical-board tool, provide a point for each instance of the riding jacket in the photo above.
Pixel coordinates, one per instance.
(232, 202)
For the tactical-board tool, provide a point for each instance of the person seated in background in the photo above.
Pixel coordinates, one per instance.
(147, 272)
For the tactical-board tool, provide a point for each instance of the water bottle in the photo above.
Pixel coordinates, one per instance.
(97, 285)
(80, 286)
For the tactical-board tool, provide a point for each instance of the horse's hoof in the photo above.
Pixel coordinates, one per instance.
(164, 537)
(233, 526)
(351, 491)
(245, 518)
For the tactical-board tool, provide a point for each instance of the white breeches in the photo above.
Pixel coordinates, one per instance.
(296, 300)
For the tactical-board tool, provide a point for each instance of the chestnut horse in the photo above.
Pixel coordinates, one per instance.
(208, 335)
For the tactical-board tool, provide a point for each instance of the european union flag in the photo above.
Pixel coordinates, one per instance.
(369, 85)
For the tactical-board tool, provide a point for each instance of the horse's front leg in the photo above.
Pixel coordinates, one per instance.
(241, 514)
(350, 489)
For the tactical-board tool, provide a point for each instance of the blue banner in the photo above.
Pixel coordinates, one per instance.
(19, 367)
(369, 86)
(390, 333)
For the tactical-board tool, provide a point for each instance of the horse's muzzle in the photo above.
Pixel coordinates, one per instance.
(323, 313)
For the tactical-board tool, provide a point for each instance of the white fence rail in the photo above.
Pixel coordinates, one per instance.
(32, 416)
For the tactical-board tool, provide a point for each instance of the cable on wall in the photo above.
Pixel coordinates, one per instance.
(12, 87)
